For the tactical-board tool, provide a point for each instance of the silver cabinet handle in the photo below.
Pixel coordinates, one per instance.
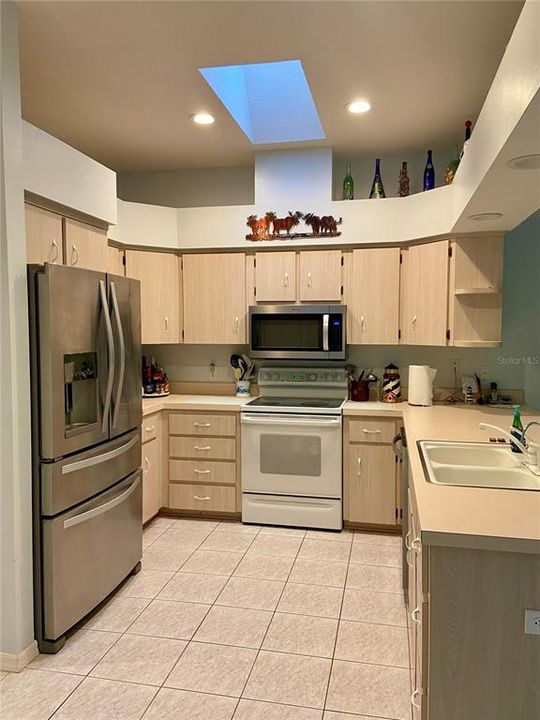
(325, 325)
(414, 319)
(372, 432)
(198, 497)
(413, 696)
(110, 356)
(146, 464)
(235, 325)
(149, 429)
(53, 253)
(98, 459)
(122, 344)
(286, 280)
(362, 324)
(359, 465)
(166, 324)
(202, 425)
(309, 283)
(204, 447)
(415, 615)
(201, 472)
(407, 536)
(74, 254)
(89, 514)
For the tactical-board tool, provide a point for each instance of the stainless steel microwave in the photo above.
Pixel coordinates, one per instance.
(297, 332)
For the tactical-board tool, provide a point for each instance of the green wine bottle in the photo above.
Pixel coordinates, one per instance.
(377, 189)
(517, 429)
(348, 184)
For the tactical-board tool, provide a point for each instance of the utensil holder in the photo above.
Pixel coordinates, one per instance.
(242, 388)
(360, 390)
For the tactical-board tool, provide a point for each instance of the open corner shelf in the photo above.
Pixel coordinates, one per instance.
(478, 291)
(477, 343)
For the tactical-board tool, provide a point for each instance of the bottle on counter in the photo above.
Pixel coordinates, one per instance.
(377, 188)
(468, 130)
(516, 429)
(403, 181)
(149, 387)
(348, 184)
(429, 172)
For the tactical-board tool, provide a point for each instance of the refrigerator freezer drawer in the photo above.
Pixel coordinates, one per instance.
(70, 481)
(87, 552)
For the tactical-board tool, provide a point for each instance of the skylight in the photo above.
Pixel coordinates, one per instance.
(271, 102)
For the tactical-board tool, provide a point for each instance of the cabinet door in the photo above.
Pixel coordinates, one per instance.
(370, 487)
(320, 276)
(275, 276)
(43, 236)
(150, 479)
(373, 297)
(424, 294)
(215, 298)
(85, 246)
(115, 260)
(159, 274)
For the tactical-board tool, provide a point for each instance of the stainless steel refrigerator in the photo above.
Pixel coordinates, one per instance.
(86, 415)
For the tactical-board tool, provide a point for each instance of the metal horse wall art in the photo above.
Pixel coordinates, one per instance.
(325, 226)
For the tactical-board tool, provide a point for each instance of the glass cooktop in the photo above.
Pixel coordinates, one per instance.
(296, 402)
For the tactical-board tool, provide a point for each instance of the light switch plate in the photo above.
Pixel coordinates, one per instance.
(532, 622)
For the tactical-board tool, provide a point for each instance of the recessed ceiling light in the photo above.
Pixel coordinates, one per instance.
(485, 217)
(359, 106)
(203, 118)
(525, 162)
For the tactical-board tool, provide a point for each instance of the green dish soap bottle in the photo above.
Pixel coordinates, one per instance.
(517, 429)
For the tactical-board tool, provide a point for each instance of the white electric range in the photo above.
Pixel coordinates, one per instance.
(292, 448)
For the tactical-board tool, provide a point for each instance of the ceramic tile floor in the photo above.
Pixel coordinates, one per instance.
(230, 621)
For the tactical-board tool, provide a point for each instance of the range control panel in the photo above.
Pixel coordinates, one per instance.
(303, 377)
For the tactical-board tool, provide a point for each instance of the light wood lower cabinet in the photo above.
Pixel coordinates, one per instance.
(151, 466)
(370, 483)
(204, 452)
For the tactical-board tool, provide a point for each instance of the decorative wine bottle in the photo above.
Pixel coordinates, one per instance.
(377, 189)
(468, 126)
(403, 181)
(429, 173)
(348, 184)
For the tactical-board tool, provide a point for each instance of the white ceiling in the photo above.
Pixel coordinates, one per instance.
(118, 80)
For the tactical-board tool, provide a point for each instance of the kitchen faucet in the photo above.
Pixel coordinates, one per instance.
(534, 465)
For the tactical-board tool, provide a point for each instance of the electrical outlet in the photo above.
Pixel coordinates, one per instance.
(484, 372)
(532, 622)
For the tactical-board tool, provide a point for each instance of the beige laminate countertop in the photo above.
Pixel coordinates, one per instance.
(481, 518)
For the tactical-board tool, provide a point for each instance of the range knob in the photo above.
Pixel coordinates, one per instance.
(312, 377)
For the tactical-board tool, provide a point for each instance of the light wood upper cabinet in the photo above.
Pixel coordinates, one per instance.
(115, 260)
(215, 298)
(43, 236)
(373, 297)
(160, 278)
(275, 276)
(424, 294)
(319, 276)
(84, 246)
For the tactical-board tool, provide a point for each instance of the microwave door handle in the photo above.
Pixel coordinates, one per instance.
(110, 356)
(122, 345)
(325, 324)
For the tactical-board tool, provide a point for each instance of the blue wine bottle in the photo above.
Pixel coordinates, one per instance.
(429, 173)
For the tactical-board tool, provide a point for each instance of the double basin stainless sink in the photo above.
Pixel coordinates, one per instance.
(476, 465)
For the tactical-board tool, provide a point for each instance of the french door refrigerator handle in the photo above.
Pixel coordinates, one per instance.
(110, 356)
(109, 505)
(325, 323)
(122, 344)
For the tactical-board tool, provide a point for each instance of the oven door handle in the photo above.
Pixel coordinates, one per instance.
(325, 324)
(280, 420)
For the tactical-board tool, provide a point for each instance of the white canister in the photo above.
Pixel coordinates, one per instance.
(421, 379)
(242, 388)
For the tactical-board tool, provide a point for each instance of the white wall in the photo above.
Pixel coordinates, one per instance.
(16, 609)
(58, 172)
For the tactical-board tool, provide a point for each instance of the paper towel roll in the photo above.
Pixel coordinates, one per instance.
(421, 384)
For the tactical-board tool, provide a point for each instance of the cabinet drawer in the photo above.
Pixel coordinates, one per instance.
(201, 471)
(202, 424)
(203, 448)
(372, 430)
(149, 428)
(216, 498)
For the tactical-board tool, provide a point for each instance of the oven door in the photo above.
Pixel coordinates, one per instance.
(291, 454)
